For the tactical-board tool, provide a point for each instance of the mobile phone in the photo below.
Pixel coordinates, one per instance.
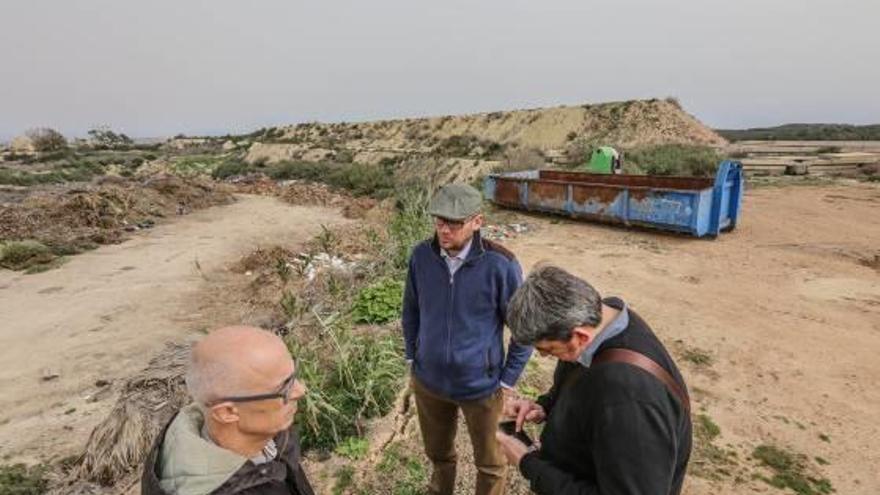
(509, 428)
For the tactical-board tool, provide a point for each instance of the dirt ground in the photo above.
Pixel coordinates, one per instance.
(71, 334)
(788, 306)
(775, 326)
(783, 316)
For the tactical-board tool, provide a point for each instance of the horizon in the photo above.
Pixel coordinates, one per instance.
(222, 133)
(222, 67)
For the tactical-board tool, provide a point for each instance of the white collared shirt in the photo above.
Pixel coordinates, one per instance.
(455, 262)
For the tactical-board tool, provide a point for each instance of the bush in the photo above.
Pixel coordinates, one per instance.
(360, 179)
(358, 380)
(104, 136)
(230, 169)
(46, 139)
(18, 255)
(674, 159)
(379, 302)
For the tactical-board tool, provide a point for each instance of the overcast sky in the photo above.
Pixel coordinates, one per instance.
(156, 68)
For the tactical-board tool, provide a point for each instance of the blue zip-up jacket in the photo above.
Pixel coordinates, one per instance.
(453, 326)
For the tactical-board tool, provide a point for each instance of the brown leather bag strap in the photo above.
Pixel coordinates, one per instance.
(639, 360)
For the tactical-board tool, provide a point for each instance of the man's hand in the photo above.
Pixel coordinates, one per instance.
(513, 449)
(524, 410)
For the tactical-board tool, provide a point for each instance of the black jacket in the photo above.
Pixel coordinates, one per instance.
(281, 476)
(612, 428)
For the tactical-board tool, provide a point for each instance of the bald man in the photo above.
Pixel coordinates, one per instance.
(237, 436)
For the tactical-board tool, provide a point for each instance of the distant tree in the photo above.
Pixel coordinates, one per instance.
(46, 139)
(103, 135)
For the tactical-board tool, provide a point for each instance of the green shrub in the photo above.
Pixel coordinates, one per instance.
(18, 255)
(19, 479)
(231, 168)
(379, 302)
(358, 380)
(360, 179)
(674, 159)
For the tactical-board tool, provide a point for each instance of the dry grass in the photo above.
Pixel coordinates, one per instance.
(117, 447)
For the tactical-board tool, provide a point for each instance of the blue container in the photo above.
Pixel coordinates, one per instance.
(691, 205)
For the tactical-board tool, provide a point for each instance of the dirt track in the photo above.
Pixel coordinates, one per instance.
(102, 316)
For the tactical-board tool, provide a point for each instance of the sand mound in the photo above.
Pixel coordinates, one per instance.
(625, 124)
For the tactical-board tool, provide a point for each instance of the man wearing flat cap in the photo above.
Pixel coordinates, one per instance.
(454, 305)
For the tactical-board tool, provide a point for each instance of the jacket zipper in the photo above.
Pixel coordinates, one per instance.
(451, 300)
(449, 313)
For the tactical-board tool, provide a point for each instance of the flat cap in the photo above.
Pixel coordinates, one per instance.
(456, 202)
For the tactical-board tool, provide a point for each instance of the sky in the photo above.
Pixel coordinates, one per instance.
(164, 67)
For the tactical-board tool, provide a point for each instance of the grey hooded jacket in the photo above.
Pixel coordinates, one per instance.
(183, 463)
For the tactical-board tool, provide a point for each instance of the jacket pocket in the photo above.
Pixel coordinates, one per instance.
(490, 362)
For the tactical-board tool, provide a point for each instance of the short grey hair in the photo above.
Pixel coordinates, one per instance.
(550, 304)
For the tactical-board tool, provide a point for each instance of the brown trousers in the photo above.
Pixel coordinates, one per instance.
(438, 420)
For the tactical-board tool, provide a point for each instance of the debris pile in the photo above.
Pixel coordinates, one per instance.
(501, 232)
(254, 183)
(315, 194)
(76, 219)
(311, 264)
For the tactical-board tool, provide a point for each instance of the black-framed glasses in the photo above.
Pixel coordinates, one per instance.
(282, 393)
(453, 225)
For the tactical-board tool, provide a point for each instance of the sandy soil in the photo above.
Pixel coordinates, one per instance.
(788, 308)
(102, 316)
(786, 305)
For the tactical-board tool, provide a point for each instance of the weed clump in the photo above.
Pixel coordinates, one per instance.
(405, 469)
(18, 479)
(790, 471)
(710, 461)
(378, 303)
(354, 448)
(357, 380)
(20, 255)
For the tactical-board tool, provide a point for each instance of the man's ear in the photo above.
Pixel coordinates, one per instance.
(478, 221)
(224, 413)
(581, 337)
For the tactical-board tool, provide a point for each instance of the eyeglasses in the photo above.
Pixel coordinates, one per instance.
(453, 225)
(282, 393)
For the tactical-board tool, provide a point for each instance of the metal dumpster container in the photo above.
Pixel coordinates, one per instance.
(691, 205)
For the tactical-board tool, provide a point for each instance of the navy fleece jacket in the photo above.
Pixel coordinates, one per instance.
(453, 326)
